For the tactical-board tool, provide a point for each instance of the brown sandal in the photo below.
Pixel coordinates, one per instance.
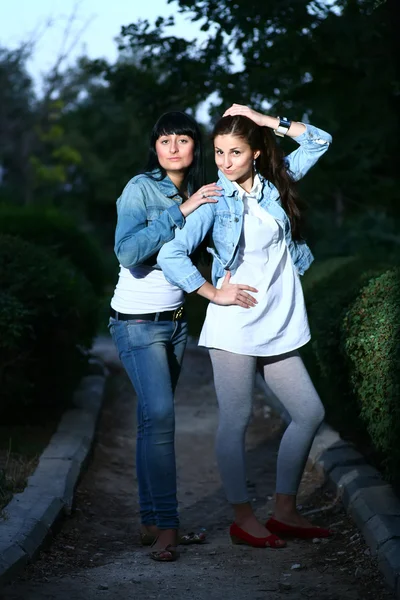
(169, 552)
(148, 539)
(192, 538)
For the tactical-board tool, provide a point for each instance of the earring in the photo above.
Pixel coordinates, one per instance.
(254, 164)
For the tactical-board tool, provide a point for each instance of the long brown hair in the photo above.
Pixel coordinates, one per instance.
(270, 164)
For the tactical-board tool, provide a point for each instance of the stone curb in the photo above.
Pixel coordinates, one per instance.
(367, 497)
(29, 516)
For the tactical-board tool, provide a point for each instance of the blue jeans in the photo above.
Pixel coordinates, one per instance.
(152, 353)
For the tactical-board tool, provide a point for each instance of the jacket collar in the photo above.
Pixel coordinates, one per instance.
(255, 191)
(230, 189)
(165, 185)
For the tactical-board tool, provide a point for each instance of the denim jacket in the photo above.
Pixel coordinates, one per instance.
(148, 215)
(225, 220)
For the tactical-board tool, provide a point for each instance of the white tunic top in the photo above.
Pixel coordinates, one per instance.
(278, 323)
(145, 290)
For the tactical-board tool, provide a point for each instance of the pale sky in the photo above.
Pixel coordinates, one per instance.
(20, 19)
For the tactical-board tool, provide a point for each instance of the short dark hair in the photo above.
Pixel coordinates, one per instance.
(179, 123)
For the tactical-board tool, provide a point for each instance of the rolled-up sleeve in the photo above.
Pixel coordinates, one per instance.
(135, 238)
(174, 257)
(313, 142)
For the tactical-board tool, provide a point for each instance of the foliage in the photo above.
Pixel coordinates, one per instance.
(336, 64)
(329, 291)
(36, 159)
(47, 316)
(330, 63)
(353, 309)
(57, 231)
(110, 126)
(55, 159)
(17, 121)
(371, 343)
(371, 234)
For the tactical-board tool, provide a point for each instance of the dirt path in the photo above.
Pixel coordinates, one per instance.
(96, 554)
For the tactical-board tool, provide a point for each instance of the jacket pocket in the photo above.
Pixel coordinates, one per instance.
(153, 212)
(223, 225)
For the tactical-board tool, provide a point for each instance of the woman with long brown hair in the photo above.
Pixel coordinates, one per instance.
(256, 229)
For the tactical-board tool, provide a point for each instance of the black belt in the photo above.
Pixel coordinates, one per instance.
(166, 315)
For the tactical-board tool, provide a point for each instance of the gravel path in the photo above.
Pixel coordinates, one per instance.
(96, 554)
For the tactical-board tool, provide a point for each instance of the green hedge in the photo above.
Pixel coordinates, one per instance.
(48, 317)
(52, 229)
(329, 291)
(353, 357)
(371, 343)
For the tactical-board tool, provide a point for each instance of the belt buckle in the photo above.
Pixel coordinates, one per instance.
(178, 313)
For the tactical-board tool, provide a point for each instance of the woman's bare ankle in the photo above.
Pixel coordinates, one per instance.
(243, 513)
(149, 529)
(285, 507)
(166, 537)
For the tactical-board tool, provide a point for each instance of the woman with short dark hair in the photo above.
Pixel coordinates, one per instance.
(148, 323)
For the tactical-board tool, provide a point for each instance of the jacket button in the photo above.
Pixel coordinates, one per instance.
(237, 219)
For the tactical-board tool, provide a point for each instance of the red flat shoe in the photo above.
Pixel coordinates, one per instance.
(304, 533)
(238, 536)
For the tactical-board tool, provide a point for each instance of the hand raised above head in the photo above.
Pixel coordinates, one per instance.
(245, 111)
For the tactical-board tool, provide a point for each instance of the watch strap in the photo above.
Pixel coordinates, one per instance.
(283, 127)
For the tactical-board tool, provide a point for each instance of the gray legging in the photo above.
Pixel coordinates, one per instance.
(287, 378)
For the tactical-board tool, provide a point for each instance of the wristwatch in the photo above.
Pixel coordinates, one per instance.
(283, 126)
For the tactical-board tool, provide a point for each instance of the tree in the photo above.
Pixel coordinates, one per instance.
(335, 64)
(111, 110)
(17, 117)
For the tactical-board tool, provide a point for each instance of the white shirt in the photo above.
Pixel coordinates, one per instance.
(278, 323)
(145, 290)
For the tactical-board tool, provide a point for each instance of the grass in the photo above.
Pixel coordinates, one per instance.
(20, 448)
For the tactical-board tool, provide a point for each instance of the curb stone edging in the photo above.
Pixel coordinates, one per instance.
(367, 497)
(29, 516)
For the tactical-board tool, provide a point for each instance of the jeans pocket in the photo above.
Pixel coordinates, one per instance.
(111, 323)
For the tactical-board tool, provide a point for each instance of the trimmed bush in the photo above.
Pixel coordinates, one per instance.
(15, 331)
(329, 289)
(48, 316)
(371, 343)
(55, 230)
(320, 270)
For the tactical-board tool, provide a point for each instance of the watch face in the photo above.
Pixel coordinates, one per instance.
(284, 123)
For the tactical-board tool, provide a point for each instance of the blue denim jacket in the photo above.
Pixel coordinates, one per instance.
(148, 215)
(225, 219)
